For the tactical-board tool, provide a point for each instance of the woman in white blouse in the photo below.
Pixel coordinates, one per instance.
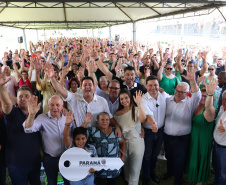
(129, 118)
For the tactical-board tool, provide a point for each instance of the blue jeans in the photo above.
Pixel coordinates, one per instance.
(21, 175)
(51, 168)
(176, 148)
(153, 142)
(219, 165)
(87, 181)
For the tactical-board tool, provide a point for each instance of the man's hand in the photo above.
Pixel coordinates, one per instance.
(190, 75)
(69, 118)
(179, 53)
(33, 105)
(221, 128)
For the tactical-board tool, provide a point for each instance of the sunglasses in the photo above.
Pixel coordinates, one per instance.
(169, 68)
(210, 69)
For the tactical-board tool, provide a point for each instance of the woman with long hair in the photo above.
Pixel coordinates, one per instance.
(129, 118)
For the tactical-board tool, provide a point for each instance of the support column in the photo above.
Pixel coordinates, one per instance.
(134, 32)
(182, 31)
(110, 34)
(98, 32)
(93, 33)
(44, 35)
(37, 35)
(25, 40)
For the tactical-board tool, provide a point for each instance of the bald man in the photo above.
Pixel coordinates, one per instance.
(51, 126)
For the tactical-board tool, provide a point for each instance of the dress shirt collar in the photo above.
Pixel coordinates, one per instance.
(82, 99)
(150, 97)
(172, 99)
(134, 85)
(50, 116)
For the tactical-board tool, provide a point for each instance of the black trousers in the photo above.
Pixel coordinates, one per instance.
(176, 148)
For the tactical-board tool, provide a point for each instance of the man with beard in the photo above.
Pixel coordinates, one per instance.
(220, 66)
(112, 97)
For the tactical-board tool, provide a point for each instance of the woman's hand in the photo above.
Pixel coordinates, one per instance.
(138, 97)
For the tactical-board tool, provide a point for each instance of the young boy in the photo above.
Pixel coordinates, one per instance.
(80, 138)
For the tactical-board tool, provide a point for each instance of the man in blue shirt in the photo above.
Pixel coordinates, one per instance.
(22, 150)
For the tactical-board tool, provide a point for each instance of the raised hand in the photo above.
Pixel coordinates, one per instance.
(37, 64)
(65, 71)
(88, 117)
(33, 105)
(179, 53)
(91, 66)
(211, 87)
(201, 79)
(3, 79)
(204, 55)
(138, 97)
(69, 118)
(190, 75)
(221, 128)
(48, 68)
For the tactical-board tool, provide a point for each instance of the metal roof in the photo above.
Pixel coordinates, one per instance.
(93, 14)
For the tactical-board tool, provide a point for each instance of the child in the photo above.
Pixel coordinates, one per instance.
(80, 138)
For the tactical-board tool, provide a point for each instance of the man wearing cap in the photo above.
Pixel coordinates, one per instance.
(219, 149)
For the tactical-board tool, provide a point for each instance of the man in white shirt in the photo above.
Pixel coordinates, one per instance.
(82, 104)
(179, 111)
(51, 126)
(154, 106)
(219, 135)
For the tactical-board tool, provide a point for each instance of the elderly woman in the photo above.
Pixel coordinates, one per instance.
(107, 145)
(201, 137)
(129, 119)
(167, 80)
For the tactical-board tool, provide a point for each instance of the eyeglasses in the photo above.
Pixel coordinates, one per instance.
(114, 88)
(204, 96)
(180, 92)
(210, 69)
(169, 68)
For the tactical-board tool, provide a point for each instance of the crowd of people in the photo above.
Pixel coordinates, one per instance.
(113, 99)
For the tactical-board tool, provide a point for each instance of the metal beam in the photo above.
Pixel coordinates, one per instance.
(4, 7)
(193, 9)
(123, 12)
(65, 15)
(147, 1)
(221, 14)
(151, 8)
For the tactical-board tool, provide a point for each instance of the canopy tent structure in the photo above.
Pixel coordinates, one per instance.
(67, 14)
